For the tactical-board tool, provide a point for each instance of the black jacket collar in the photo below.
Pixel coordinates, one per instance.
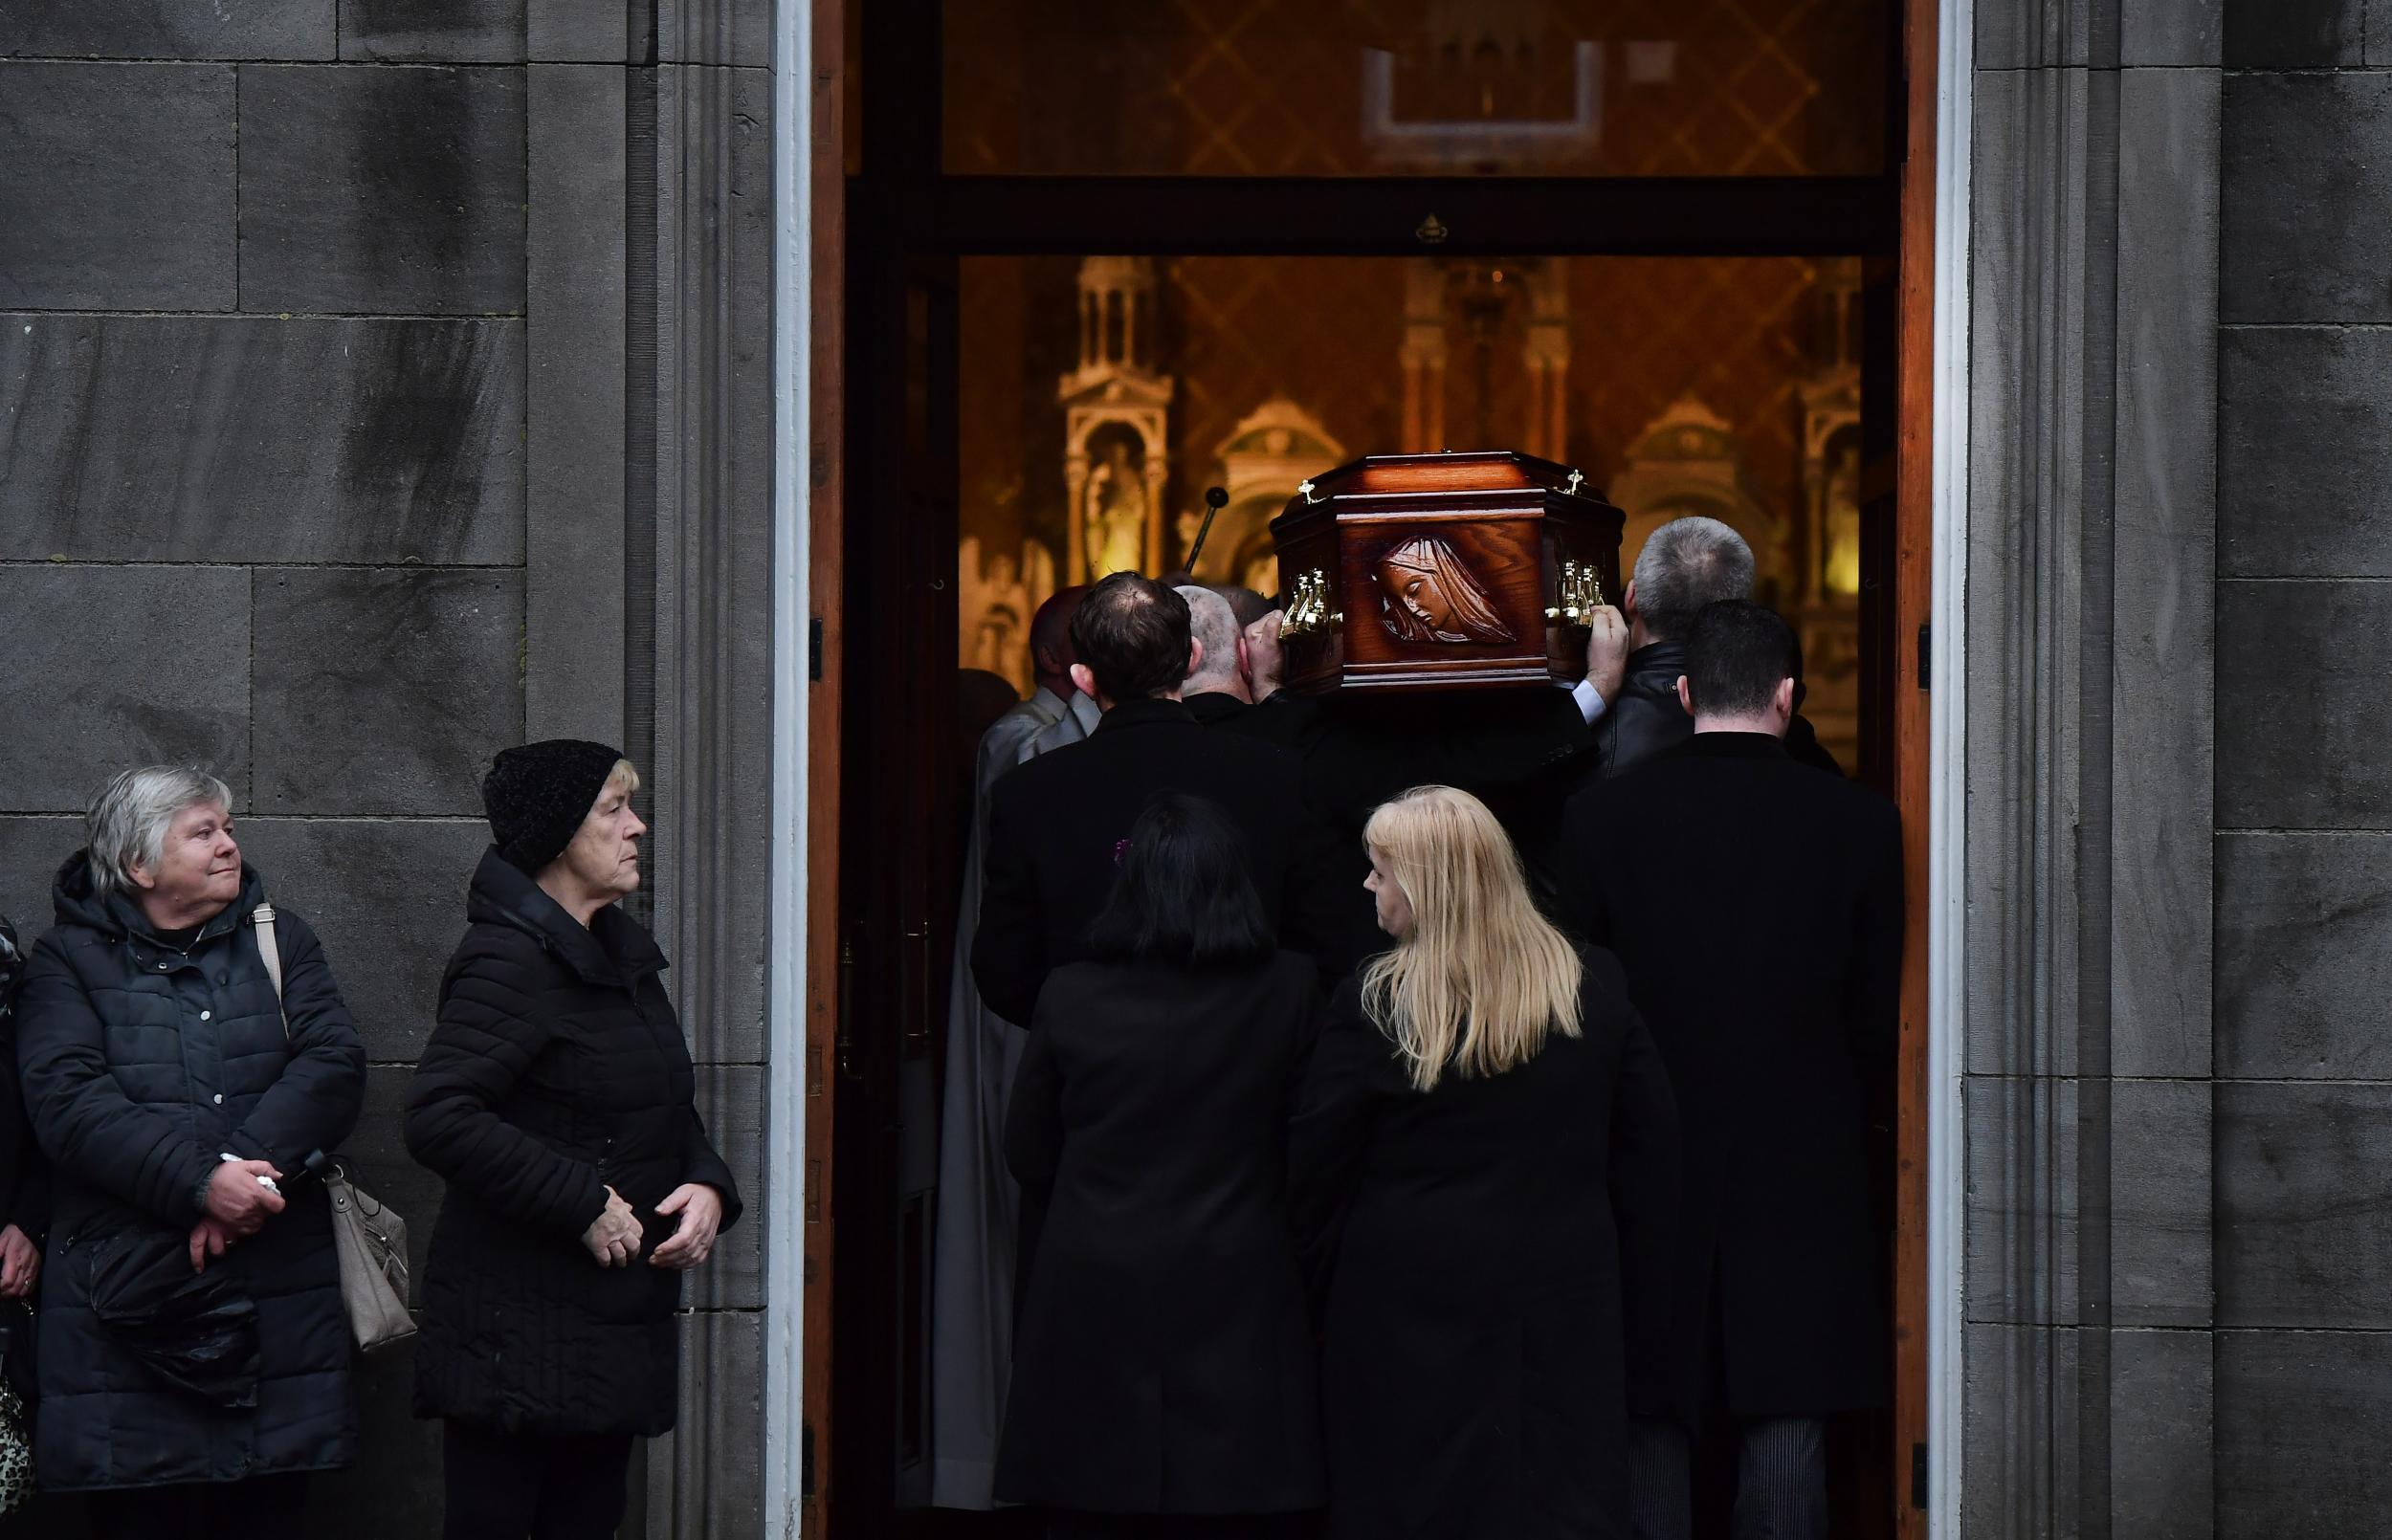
(1734, 746)
(1149, 713)
(76, 899)
(614, 949)
(1213, 705)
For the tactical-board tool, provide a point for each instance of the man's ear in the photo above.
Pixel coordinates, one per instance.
(1245, 658)
(1628, 599)
(1685, 695)
(1783, 702)
(1084, 680)
(1195, 658)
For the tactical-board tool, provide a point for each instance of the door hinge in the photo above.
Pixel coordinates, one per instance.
(1918, 1475)
(1926, 651)
(813, 649)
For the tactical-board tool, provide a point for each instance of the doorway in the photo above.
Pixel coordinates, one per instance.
(1662, 246)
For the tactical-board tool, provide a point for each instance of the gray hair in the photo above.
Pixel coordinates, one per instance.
(1685, 565)
(1212, 623)
(127, 824)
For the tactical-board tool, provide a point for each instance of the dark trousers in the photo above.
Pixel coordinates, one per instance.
(263, 1508)
(1069, 1524)
(527, 1487)
(1780, 1479)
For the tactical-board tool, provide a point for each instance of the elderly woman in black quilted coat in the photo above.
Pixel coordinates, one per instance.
(557, 1099)
(177, 1107)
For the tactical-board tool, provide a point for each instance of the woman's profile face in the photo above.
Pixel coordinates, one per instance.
(603, 856)
(1395, 908)
(1420, 593)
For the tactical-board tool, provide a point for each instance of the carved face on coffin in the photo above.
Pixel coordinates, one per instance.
(1427, 593)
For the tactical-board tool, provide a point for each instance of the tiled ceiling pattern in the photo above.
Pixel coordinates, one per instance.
(1275, 87)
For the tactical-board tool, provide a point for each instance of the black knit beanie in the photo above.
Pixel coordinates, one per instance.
(537, 796)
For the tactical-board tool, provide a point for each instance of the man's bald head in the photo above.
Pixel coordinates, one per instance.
(1051, 653)
(1213, 624)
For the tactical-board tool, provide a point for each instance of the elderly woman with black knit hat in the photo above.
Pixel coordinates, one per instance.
(556, 1101)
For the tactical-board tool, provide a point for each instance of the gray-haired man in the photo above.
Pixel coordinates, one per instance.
(1684, 565)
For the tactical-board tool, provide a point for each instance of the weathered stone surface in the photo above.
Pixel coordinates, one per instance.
(2303, 1419)
(2184, 33)
(2019, 1383)
(378, 1161)
(384, 692)
(113, 666)
(715, 31)
(381, 190)
(2020, 1254)
(2304, 1205)
(2278, 34)
(118, 185)
(571, 32)
(386, 898)
(2309, 757)
(30, 851)
(168, 29)
(2307, 194)
(2158, 1203)
(705, 1478)
(2304, 958)
(731, 1099)
(2162, 1421)
(253, 439)
(2304, 450)
(2163, 537)
(436, 32)
(574, 509)
(393, 1490)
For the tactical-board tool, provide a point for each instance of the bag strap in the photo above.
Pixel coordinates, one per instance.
(270, 951)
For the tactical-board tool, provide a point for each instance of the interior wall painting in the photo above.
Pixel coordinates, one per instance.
(1102, 395)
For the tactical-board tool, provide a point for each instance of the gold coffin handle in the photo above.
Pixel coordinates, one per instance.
(1308, 613)
(1578, 595)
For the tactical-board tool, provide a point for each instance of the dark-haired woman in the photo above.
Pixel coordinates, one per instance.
(1163, 1370)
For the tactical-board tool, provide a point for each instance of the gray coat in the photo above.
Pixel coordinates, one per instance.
(142, 1064)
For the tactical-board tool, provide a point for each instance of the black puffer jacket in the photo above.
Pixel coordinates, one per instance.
(556, 1069)
(24, 1179)
(142, 1064)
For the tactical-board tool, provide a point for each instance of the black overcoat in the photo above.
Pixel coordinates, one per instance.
(1648, 720)
(143, 1064)
(1757, 906)
(556, 1069)
(1057, 823)
(1164, 1360)
(1490, 1255)
(24, 1176)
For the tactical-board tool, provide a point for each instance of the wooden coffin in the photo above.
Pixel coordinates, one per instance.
(1450, 571)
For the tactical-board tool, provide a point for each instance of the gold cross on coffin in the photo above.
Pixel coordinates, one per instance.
(1305, 488)
(1575, 478)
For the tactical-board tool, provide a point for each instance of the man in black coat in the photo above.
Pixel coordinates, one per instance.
(1757, 906)
(1056, 823)
(1684, 565)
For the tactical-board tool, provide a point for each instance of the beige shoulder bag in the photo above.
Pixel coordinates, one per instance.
(369, 1239)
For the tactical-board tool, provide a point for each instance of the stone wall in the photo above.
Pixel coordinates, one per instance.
(383, 382)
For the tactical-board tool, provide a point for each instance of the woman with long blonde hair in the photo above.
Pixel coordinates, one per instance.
(1483, 1170)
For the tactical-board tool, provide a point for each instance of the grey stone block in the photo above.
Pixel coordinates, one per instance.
(240, 439)
(168, 29)
(380, 190)
(2304, 957)
(2163, 537)
(2021, 1414)
(386, 898)
(706, 1477)
(2302, 714)
(2159, 1203)
(715, 31)
(2304, 1175)
(2182, 32)
(384, 692)
(30, 852)
(2304, 450)
(432, 31)
(2294, 35)
(2162, 1430)
(2306, 195)
(393, 1491)
(574, 509)
(731, 1099)
(2023, 1204)
(574, 31)
(114, 667)
(118, 183)
(2303, 1419)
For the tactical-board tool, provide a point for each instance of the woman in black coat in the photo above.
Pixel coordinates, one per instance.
(557, 1100)
(1163, 1367)
(177, 1100)
(1484, 1166)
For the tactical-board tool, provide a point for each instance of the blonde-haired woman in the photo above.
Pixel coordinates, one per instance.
(1483, 1168)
